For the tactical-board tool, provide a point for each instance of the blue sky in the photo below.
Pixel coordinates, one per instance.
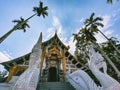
(65, 16)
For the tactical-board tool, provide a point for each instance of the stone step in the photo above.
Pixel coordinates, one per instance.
(54, 86)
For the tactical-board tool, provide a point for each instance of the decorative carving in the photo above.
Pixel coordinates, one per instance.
(99, 61)
(53, 53)
(107, 82)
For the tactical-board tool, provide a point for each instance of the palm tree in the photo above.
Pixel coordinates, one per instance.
(41, 10)
(93, 23)
(83, 39)
(22, 24)
(86, 36)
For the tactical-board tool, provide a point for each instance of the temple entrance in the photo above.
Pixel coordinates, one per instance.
(52, 74)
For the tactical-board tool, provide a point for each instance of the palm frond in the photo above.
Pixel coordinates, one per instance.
(86, 21)
(98, 19)
(41, 4)
(35, 9)
(109, 1)
(92, 15)
(24, 30)
(27, 25)
(21, 19)
(15, 21)
(45, 8)
(41, 10)
(99, 24)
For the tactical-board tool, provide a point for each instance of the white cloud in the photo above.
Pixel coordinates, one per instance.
(69, 42)
(107, 22)
(72, 45)
(56, 26)
(80, 20)
(109, 32)
(4, 57)
(50, 32)
(56, 21)
(100, 38)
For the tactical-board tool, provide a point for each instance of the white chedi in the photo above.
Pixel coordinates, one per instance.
(29, 79)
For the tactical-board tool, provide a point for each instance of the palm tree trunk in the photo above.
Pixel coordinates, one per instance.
(14, 28)
(6, 35)
(30, 17)
(110, 42)
(116, 58)
(108, 59)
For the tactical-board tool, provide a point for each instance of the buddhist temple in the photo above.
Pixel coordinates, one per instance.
(50, 66)
(56, 61)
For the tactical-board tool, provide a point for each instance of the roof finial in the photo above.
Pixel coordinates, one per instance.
(39, 42)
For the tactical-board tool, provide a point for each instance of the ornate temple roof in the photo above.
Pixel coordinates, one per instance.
(55, 39)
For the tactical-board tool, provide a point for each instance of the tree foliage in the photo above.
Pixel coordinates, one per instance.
(86, 37)
(40, 10)
(109, 1)
(21, 26)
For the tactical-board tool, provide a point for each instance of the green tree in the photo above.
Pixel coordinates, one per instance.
(86, 35)
(93, 23)
(22, 23)
(23, 26)
(41, 10)
(113, 55)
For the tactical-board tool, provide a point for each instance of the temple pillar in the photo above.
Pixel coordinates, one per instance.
(64, 64)
(42, 58)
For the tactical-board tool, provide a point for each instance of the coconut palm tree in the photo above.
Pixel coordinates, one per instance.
(22, 24)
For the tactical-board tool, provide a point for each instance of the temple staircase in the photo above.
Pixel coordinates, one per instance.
(54, 86)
